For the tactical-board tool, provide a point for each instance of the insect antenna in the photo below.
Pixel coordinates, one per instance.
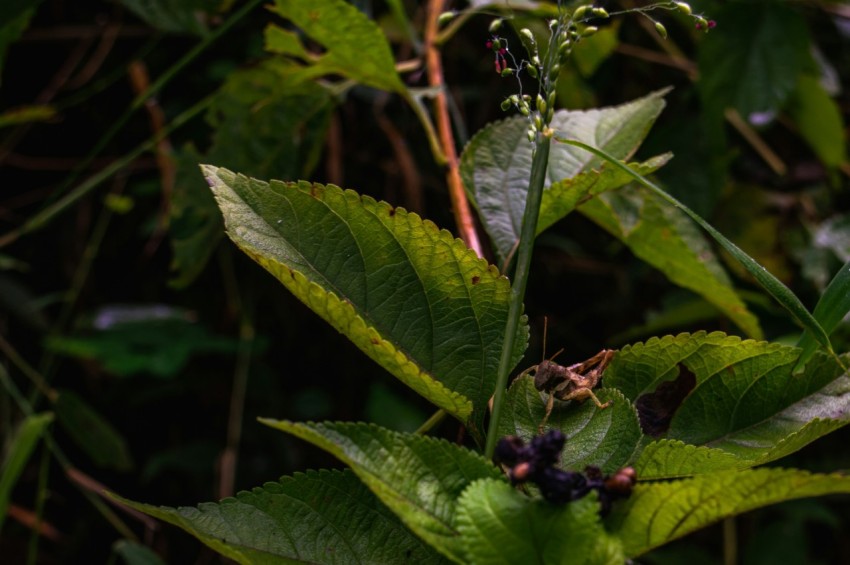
(545, 338)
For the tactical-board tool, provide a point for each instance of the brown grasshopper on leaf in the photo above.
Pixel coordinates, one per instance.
(575, 382)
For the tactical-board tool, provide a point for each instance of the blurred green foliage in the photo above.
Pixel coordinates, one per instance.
(757, 123)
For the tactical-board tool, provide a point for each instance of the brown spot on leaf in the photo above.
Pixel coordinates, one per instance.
(476, 279)
(392, 212)
(656, 409)
(376, 341)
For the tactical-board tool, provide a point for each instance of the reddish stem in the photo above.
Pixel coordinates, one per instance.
(460, 204)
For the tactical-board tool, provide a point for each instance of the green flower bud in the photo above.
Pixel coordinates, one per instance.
(506, 104)
(553, 96)
(524, 109)
(531, 134)
(601, 13)
(538, 122)
(445, 17)
(532, 71)
(497, 44)
(514, 99)
(556, 68)
(541, 104)
(662, 31)
(495, 25)
(549, 115)
(683, 7)
(535, 61)
(507, 71)
(589, 30)
(527, 34)
(580, 12)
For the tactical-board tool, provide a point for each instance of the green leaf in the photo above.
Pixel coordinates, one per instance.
(195, 226)
(314, 517)
(594, 50)
(781, 293)
(412, 297)
(496, 165)
(261, 129)
(354, 45)
(176, 16)
(819, 119)
(500, 525)
(753, 65)
(659, 513)
(419, 478)
(135, 553)
(285, 42)
(605, 438)
(161, 348)
(737, 398)
(674, 458)
(665, 238)
(833, 305)
(92, 432)
(17, 454)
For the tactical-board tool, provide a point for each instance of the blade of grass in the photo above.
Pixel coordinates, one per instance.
(829, 311)
(781, 293)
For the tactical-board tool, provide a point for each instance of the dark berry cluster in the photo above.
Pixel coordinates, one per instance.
(536, 463)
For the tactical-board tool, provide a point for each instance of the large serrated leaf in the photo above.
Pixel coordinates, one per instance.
(261, 129)
(355, 46)
(604, 438)
(674, 458)
(418, 477)
(496, 164)
(317, 517)
(499, 525)
(665, 238)
(411, 296)
(743, 403)
(659, 513)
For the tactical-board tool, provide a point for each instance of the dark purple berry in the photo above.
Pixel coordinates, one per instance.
(508, 450)
(558, 486)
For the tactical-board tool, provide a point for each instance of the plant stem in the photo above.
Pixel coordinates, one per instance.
(429, 424)
(47, 214)
(460, 204)
(526, 245)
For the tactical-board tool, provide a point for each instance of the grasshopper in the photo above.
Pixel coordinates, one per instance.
(575, 382)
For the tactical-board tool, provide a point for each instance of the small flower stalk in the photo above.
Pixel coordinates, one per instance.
(566, 31)
(536, 463)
